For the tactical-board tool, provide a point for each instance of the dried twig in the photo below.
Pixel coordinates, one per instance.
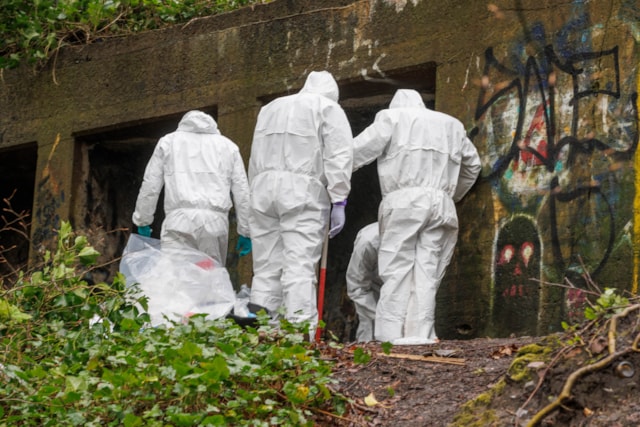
(569, 286)
(436, 359)
(15, 223)
(544, 374)
(613, 355)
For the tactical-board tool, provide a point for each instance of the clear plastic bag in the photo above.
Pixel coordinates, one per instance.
(241, 307)
(178, 282)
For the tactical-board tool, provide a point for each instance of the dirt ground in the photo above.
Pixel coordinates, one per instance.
(495, 382)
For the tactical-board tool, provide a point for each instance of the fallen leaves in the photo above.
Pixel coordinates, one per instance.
(371, 401)
(598, 345)
(504, 351)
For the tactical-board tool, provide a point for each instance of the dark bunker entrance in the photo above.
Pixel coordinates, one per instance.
(17, 188)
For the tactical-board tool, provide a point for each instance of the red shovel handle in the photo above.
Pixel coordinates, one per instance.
(321, 281)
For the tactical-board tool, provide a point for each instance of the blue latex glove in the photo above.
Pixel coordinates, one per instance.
(145, 231)
(337, 218)
(243, 246)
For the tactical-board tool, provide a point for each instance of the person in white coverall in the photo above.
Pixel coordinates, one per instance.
(425, 164)
(363, 280)
(200, 170)
(300, 177)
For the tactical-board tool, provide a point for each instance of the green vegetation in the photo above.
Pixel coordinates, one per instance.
(607, 305)
(74, 353)
(33, 31)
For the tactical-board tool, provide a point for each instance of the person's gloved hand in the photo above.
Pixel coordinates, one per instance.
(337, 218)
(243, 246)
(145, 231)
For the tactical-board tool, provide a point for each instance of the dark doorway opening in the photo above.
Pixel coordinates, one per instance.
(18, 166)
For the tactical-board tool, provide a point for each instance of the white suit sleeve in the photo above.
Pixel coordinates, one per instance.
(152, 184)
(337, 152)
(240, 193)
(251, 170)
(372, 142)
(469, 169)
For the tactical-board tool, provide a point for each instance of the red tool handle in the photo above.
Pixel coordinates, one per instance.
(321, 282)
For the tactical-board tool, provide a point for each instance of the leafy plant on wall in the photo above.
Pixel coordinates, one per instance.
(34, 31)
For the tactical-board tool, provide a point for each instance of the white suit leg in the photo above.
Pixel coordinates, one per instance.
(204, 230)
(433, 253)
(302, 235)
(363, 281)
(267, 252)
(399, 229)
(434, 249)
(366, 309)
(289, 216)
(365, 295)
(213, 236)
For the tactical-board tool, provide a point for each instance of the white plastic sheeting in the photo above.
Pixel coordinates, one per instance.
(179, 282)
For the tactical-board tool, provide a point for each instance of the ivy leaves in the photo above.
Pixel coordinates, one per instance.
(81, 354)
(32, 32)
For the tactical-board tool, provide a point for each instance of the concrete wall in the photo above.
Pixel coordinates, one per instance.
(546, 89)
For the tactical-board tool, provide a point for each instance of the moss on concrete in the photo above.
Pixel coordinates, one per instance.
(479, 412)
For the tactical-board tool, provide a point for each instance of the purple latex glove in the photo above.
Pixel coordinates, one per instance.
(337, 218)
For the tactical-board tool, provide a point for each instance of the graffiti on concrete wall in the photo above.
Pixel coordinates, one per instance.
(517, 259)
(556, 124)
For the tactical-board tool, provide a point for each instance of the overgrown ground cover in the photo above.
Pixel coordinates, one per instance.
(74, 352)
(33, 31)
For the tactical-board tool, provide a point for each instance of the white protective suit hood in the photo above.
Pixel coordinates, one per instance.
(198, 122)
(406, 98)
(322, 83)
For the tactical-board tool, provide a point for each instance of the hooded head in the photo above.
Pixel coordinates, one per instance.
(322, 83)
(198, 122)
(406, 98)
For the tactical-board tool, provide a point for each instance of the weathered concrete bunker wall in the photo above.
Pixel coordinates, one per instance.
(546, 89)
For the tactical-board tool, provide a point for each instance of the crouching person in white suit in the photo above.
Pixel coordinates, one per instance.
(363, 281)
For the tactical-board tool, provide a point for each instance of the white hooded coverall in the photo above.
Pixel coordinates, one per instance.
(200, 170)
(425, 164)
(301, 162)
(363, 280)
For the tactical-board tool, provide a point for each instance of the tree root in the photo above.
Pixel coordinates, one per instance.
(544, 374)
(613, 355)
